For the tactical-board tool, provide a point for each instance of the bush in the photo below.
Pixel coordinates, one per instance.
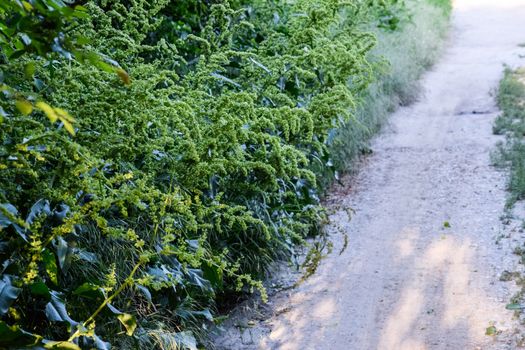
(129, 202)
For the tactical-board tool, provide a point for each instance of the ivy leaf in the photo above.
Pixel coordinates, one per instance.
(8, 294)
(50, 265)
(129, 322)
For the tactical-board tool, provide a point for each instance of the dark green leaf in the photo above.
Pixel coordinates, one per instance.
(144, 291)
(50, 265)
(4, 221)
(89, 290)
(13, 336)
(40, 288)
(8, 294)
(114, 309)
(56, 310)
(41, 207)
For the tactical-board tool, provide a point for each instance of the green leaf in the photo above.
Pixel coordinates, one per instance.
(88, 290)
(213, 274)
(56, 310)
(25, 107)
(515, 306)
(4, 220)
(62, 251)
(491, 330)
(41, 207)
(14, 336)
(29, 70)
(61, 345)
(129, 322)
(145, 291)
(40, 288)
(50, 265)
(186, 339)
(8, 294)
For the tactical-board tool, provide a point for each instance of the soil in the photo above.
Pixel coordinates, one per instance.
(426, 243)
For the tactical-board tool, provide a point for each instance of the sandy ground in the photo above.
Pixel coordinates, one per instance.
(406, 281)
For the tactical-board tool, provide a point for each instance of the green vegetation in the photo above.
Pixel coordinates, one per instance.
(158, 156)
(511, 123)
(406, 53)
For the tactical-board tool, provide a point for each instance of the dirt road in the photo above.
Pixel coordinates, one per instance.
(407, 280)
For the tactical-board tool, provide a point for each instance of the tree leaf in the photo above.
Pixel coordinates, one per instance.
(129, 322)
(8, 294)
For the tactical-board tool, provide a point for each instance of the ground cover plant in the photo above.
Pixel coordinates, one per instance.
(511, 123)
(156, 155)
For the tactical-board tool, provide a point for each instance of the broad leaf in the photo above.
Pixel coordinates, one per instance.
(14, 337)
(61, 345)
(8, 294)
(40, 288)
(144, 291)
(129, 322)
(56, 310)
(88, 290)
(41, 207)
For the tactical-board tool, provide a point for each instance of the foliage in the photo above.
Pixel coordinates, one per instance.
(400, 58)
(511, 123)
(123, 225)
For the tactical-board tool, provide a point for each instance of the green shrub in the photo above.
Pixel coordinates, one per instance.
(187, 182)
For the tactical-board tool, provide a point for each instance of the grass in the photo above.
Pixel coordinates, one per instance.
(410, 51)
(510, 154)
